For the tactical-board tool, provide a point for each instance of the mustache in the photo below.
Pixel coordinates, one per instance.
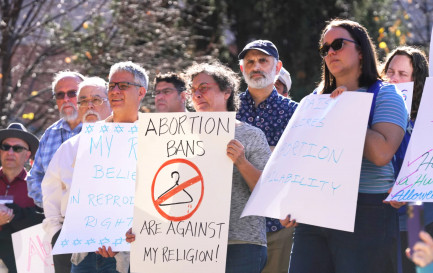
(67, 104)
(256, 72)
(91, 112)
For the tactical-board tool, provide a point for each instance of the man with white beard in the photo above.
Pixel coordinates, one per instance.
(64, 86)
(261, 106)
(93, 102)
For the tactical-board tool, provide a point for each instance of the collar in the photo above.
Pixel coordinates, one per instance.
(249, 99)
(21, 176)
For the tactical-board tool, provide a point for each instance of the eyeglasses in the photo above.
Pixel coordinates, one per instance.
(202, 88)
(61, 95)
(164, 92)
(122, 85)
(337, 44)
(94, 101)
(15, 148)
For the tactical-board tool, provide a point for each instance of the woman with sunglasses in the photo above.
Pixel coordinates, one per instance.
(349, 61)
(406, 64)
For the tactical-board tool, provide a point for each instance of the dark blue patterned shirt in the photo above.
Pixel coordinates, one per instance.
(271, 116)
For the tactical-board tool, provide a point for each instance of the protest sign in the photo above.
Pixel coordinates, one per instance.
(182, 208)
(415, 180)
(101, 198)
(32, 250)
(406, 89)
(313, 173)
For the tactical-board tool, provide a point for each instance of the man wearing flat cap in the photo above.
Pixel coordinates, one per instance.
(17, 210)
(261, 106)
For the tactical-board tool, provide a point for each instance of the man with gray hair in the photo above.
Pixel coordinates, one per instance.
(64, 86)
(262, 107)
(126, 89)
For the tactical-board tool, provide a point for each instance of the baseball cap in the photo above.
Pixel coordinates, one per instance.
(264, 46)
(284, 77)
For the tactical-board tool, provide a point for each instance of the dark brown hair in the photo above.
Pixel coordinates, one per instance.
(419, 64)
(369, 72)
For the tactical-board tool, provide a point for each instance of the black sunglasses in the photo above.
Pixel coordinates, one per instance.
(15, 148)
(337, 44)
(61, 95)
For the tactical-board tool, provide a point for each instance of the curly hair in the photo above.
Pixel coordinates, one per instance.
(419, 64)
(225, 77)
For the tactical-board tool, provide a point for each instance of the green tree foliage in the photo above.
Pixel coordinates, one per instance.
(29, 58)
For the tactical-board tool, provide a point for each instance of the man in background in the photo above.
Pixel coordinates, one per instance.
(169, 93)
(262, 107)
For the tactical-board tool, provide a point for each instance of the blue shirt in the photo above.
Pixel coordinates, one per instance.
(271, 116)
(53, 137)
(389, 108)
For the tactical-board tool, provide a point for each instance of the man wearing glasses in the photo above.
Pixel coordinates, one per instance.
(93, 100)
(126, 89)
(92, 106)
(169, 93)
(261, 106)
(17, 210)
(64, 86)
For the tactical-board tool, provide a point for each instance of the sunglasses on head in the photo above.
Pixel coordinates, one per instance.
(15, 148)
(61, 95)
(337, 44)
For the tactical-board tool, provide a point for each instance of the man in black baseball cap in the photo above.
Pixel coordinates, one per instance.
(17, 210)
(261, 106)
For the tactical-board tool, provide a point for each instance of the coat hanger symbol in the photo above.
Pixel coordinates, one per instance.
(174, 186)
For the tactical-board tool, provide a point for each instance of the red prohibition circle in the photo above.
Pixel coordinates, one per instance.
(160, 211)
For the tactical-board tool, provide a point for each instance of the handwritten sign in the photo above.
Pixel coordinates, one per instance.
(415, 180)
(101, 199)
(406, 89)
(32, 250)
(182, 207)
(313, 173)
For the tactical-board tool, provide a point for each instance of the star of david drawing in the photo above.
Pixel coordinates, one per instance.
(133, 130)
(89, 128)
(118, 129)
(104, 129)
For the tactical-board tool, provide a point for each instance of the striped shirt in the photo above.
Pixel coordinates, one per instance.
(389, 108)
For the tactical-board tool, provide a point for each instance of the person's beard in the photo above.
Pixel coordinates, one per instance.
(91, 112)
(260, 82)
(69, 117)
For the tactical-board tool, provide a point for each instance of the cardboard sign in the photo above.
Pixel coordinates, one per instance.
(182, 207)
(313, 173)
(415, 180)
(101, 198)
(32, 250)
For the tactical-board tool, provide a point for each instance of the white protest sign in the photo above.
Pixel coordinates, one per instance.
(415, 180)
(313, 173)
(182, 209)
(32, 250)
(101, 199)
(406, 89)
